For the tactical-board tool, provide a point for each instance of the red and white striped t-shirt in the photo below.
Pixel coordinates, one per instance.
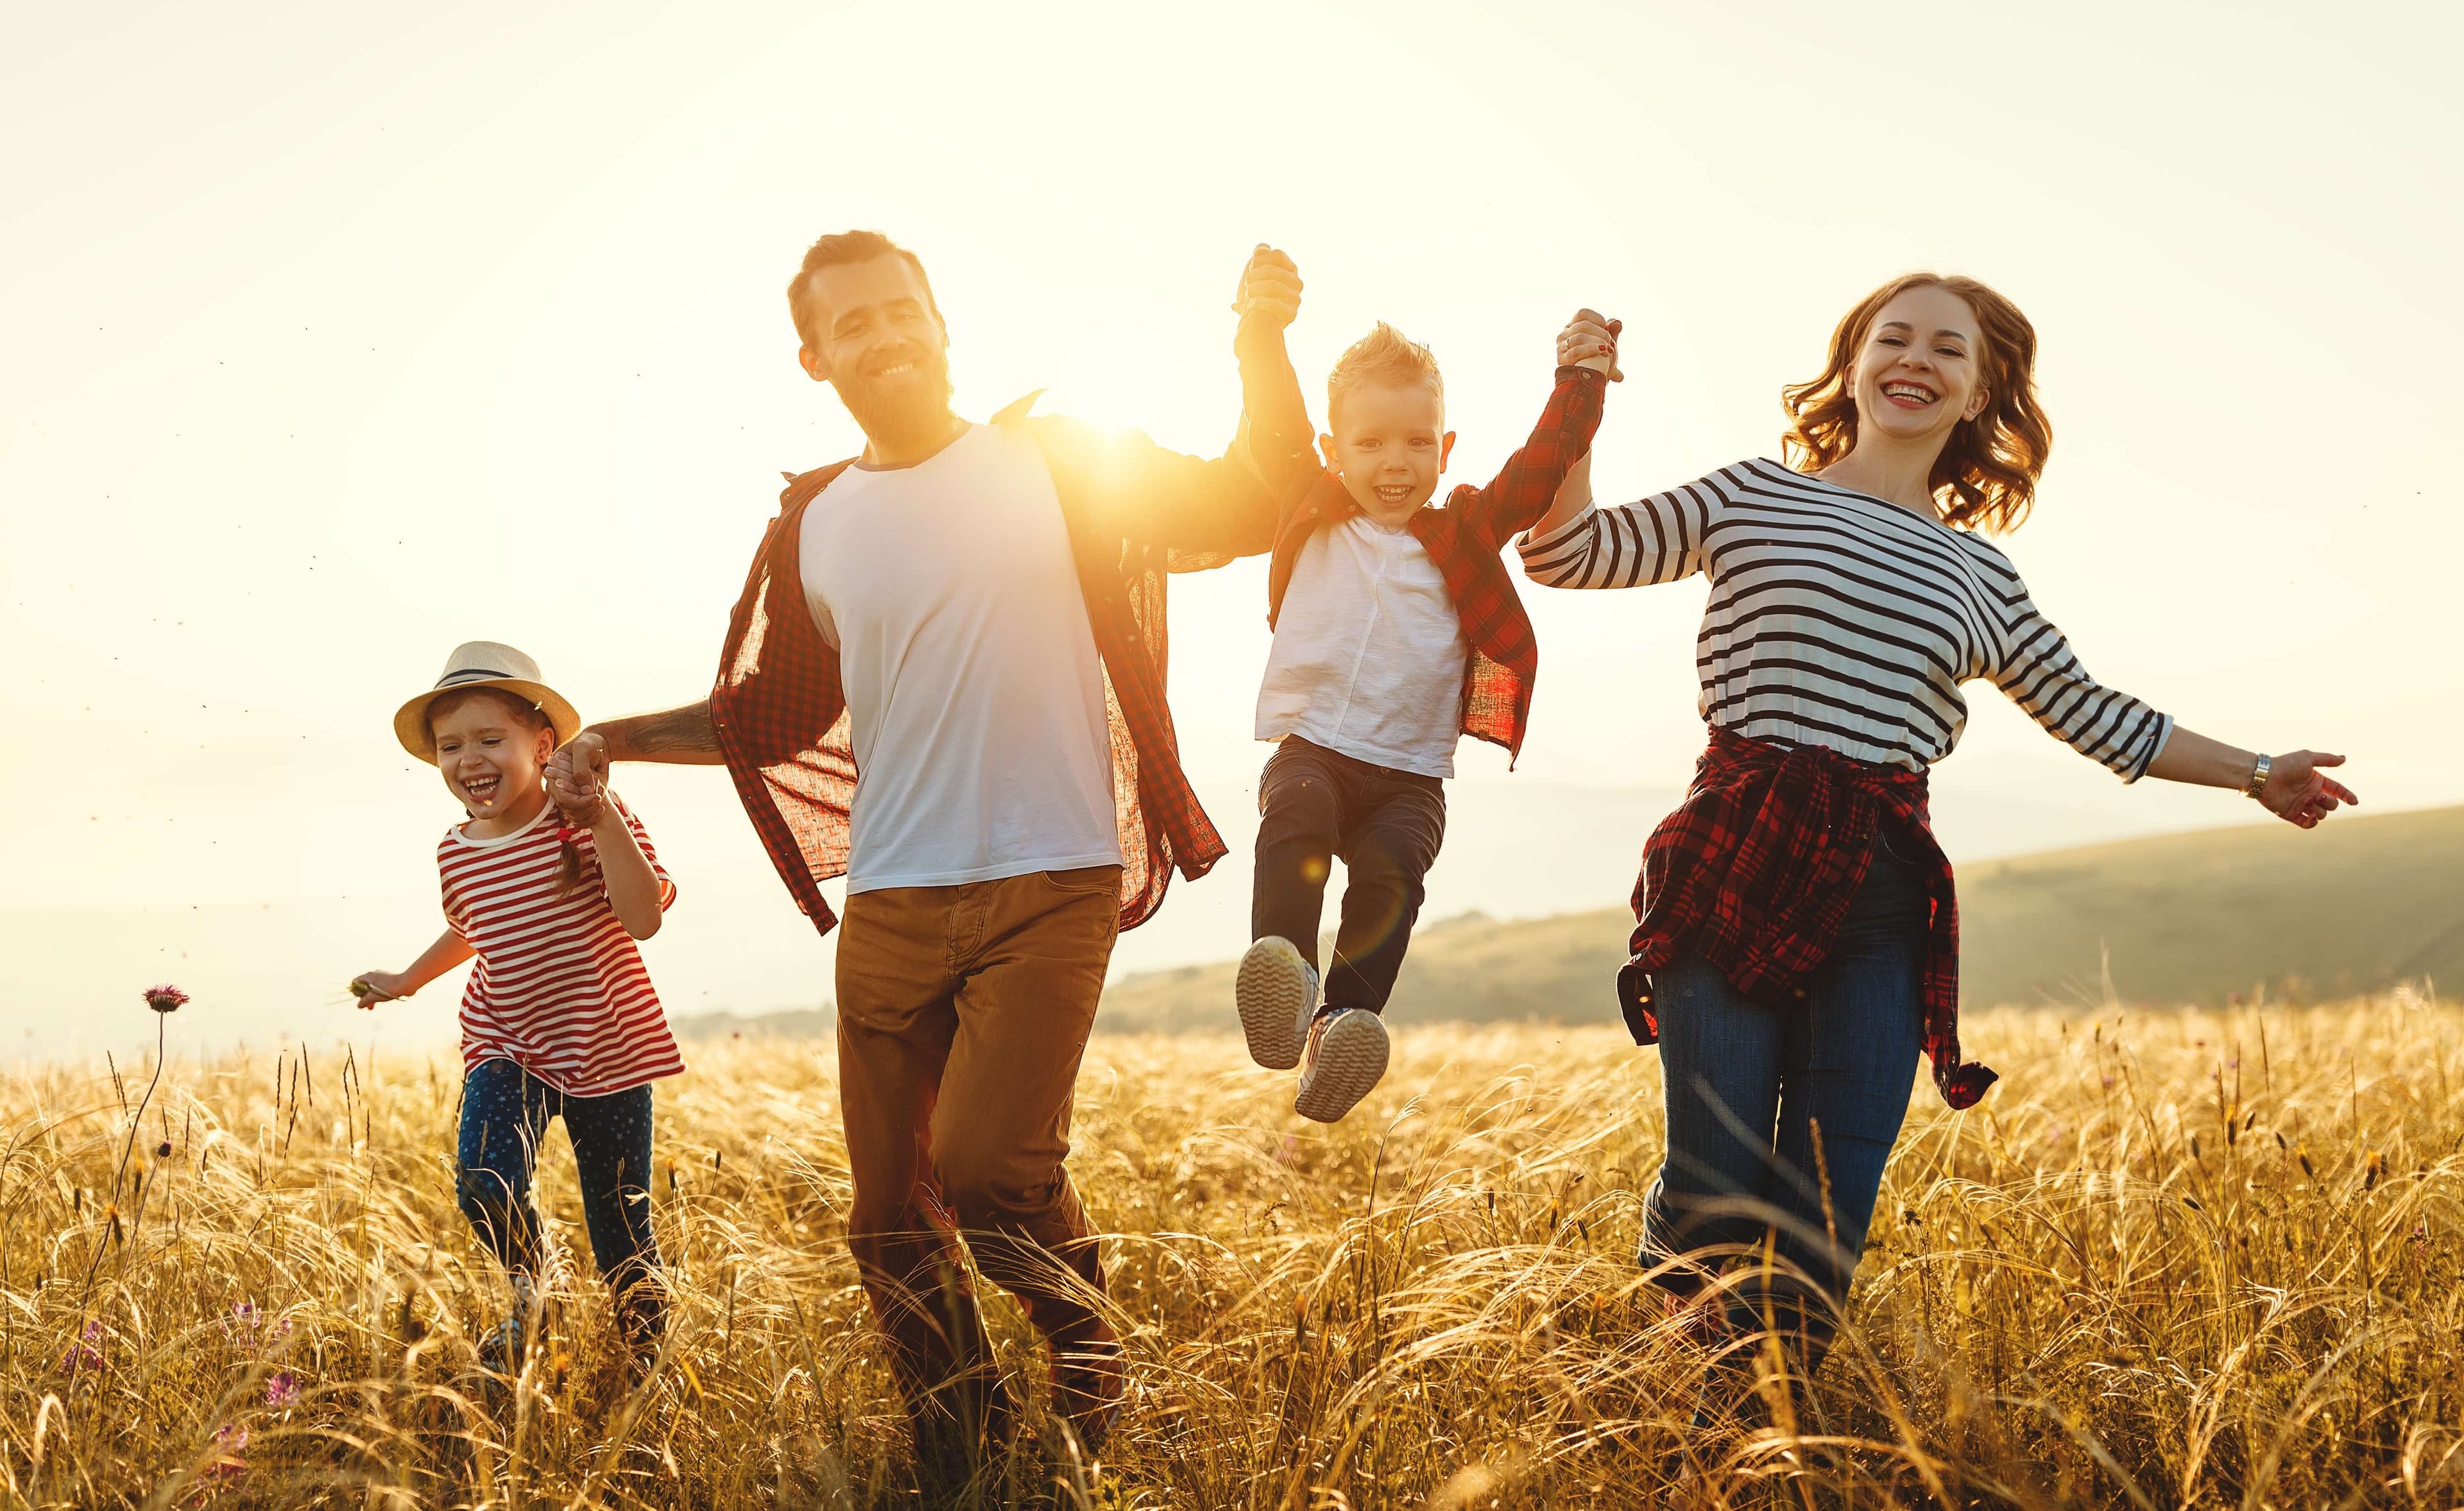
(560, 989)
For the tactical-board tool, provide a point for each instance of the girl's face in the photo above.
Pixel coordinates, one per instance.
(489, 754)
(1919, 373)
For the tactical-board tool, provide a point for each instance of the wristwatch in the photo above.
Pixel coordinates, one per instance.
(2256, 786)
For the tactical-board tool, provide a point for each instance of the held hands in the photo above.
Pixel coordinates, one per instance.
(2299, 793)
(1590, 340)
(577, 780)
(1270, 289)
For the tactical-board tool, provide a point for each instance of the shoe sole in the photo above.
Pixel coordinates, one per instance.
(1272, 994)
(1351, 1062)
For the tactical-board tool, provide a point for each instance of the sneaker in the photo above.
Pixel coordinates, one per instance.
(1277, 993)
(501, 1350)
(1347, 1058)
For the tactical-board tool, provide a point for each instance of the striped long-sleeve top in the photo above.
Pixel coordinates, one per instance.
(1841, 619)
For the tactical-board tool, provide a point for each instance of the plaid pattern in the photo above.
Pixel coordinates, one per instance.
(1755, 872)
(1134, 512)
(1464, 537)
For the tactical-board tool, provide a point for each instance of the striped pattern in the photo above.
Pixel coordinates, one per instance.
(560, 989)
(1840, 620)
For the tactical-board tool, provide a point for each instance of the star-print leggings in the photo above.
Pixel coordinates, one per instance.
(505, 1113)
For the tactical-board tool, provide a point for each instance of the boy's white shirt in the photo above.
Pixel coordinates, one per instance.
(1369, 652)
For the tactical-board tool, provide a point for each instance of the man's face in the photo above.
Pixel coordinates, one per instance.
(881, 344)
(1389, 447)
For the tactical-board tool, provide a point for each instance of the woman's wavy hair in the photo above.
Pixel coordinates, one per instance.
(1985, 477)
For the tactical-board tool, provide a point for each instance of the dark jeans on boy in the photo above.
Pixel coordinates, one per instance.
(1314, 803)
(505, 1113)
(1781, 1118)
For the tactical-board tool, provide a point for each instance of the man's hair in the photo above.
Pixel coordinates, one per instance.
(1387, 359)
(836, 251)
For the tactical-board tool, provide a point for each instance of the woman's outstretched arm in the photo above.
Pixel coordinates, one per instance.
(2296, 790)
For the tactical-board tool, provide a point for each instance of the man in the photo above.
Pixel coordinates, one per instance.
(945, 681)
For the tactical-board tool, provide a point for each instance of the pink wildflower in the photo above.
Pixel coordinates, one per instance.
(282, 1391)
(86, 1354)
(165, 999)
(230, 1441)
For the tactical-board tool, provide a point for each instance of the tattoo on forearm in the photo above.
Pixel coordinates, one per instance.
(677, 732)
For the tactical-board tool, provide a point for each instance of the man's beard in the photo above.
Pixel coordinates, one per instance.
(905, 412)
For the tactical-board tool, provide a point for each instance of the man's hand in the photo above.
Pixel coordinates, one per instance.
(1590, 340)
(577, 780)
(1270, 288)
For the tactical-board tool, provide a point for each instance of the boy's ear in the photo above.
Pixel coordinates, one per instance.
(1445, 449)
(1325, 451)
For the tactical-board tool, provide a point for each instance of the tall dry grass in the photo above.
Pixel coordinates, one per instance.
(2174, 1259)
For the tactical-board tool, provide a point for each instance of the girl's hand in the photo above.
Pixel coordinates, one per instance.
(578, 792)
(1590, 340)
(372, 987)
(2299, 793)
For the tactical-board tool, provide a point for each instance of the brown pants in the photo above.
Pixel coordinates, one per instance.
(962, 1015)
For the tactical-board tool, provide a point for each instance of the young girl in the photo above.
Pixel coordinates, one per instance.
(549, 883)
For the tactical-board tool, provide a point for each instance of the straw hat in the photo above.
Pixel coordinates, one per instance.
(484, 664)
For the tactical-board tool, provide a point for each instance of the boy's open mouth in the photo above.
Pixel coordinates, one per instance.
(481, 790)
(1392, 493)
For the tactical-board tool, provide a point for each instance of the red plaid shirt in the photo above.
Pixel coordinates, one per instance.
(1755, 872)
(1464, 537)
(1134, 512)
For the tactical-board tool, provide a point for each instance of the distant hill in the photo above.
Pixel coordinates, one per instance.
(2356, 906)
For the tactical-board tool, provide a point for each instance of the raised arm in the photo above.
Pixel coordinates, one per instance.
(1206, 510)
(1527, 487)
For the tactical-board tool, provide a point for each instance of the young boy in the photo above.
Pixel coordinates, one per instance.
(1396, 630)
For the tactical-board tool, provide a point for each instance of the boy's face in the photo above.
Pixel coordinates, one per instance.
(489, 756)
(1389, 445)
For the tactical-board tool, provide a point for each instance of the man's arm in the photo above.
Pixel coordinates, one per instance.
(677, 736)
(1209, 511)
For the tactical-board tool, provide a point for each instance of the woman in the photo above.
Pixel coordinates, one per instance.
(1799, 943)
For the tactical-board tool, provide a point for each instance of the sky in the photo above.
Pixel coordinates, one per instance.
(340, 335)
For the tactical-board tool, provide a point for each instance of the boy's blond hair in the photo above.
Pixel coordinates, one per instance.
(1384, 358)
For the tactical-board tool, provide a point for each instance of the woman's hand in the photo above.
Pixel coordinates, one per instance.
(372, 987)
(1590, 340)
(2298, 793)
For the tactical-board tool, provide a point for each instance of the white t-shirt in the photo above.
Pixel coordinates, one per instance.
(1369, 652)
(974, 694)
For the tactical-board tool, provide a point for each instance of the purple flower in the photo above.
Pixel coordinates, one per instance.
(230, 1443)
(165, 999)
(282, 1391)
(86, 1354)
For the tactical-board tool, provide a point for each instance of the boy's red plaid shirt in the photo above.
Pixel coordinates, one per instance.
(1466, 538)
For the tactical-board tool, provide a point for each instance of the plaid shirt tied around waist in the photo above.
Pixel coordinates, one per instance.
(1755, 871)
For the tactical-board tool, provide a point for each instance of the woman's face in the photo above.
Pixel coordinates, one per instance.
(1919, 372)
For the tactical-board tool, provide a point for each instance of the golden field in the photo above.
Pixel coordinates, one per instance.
(2173, 1260)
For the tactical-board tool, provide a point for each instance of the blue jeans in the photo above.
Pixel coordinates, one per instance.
(505, 1113)
(1781, 1118)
